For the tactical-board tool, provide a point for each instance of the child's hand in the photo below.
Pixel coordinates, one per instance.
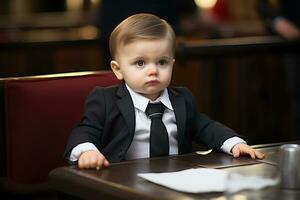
(244, 149)
(92, 159)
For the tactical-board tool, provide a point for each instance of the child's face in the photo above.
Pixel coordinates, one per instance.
(145, 65)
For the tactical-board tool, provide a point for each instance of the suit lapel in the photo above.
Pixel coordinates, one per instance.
(126, 108)
(179, 107)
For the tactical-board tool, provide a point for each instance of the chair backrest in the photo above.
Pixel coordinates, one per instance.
(40, 112)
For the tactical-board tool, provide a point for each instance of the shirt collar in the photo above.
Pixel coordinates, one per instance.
(140, 102)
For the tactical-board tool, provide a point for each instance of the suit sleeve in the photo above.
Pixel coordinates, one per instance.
(91, 126)
(204, 130)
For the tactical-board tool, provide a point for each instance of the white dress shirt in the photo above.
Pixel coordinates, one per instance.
(139, 147)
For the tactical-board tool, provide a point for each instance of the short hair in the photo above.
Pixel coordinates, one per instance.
(141, 26)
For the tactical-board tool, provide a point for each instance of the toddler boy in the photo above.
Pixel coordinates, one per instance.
(144, 116)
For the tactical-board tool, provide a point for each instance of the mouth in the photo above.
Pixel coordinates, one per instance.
(153, 82)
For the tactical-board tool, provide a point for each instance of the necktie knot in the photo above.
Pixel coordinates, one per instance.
(155, 110)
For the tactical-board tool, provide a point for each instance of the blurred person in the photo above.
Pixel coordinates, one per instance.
(112, 12)
(284, 20)
(184, 16)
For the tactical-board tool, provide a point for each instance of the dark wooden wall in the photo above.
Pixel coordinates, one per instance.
(239, 84)
(36, 58)
(248, 94)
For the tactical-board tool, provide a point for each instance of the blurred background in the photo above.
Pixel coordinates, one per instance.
(62, 35)
(228, 54)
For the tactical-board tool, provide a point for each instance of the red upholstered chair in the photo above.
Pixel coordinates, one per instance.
(38, 114)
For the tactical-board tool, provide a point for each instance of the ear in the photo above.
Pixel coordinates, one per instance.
(116, 69)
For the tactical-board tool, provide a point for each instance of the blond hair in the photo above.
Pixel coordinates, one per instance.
(140, 27)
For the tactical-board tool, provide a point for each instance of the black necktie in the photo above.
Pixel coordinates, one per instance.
(159, 140)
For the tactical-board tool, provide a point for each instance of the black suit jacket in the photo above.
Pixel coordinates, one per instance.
(109, 123)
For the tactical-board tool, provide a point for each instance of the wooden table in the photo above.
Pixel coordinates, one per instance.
(120, 181)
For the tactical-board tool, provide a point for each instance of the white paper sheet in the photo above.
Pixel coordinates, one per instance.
(207, 180)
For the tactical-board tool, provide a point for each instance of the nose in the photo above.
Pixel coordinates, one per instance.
(152, 70)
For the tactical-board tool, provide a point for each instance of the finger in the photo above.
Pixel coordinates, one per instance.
(102, 162)
(97, 167)
(252, 154)
(90, 162)
(93, 162)
(235, 152)
(106, 163)
(259, 154)
(82, 162)
(99, 163)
